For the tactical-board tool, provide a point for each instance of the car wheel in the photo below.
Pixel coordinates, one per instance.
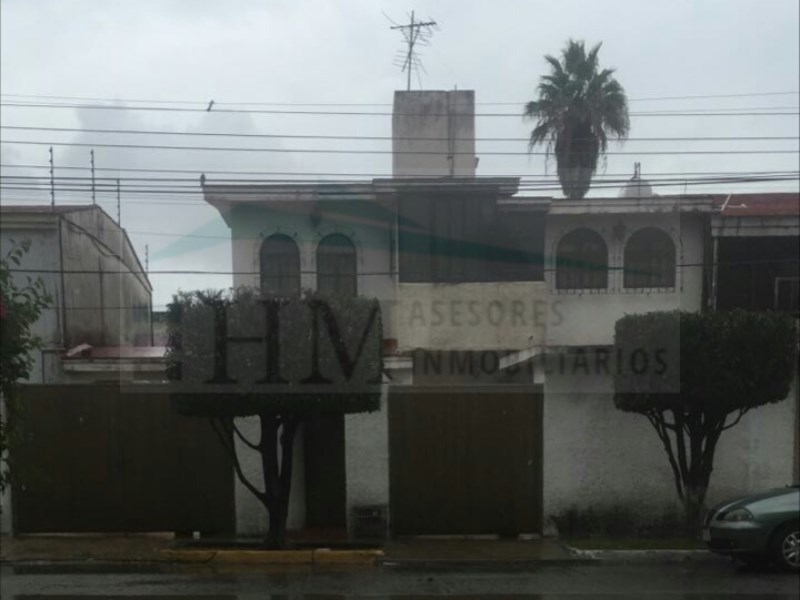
(785, 547)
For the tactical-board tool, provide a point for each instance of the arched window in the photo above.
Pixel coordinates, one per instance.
(280, 266)
(336, 265)
(649, 260)
(581, 261)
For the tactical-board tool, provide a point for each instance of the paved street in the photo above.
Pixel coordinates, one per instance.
(704, 581)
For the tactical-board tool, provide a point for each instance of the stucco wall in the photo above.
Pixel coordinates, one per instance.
(587, 317)
(367, 458)
(596, 455)
(43, 256)
(368, 224)
(101, 274)
(433, 133)
(464, 316)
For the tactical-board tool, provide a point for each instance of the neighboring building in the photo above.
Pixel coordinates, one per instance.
(114, 364)
(486, 296)
(639, 253)
(101, 294)
(755, 239)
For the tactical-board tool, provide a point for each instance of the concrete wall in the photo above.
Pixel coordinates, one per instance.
(41, 262)
(367, 447)
(367, 458)
(433, 134)
(587, 317)
(43, 256)
(598, 456)
(466, 316)
(110, 277)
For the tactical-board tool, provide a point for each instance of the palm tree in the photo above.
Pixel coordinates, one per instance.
(579, 106)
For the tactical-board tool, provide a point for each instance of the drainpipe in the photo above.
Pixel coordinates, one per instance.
(63, 331)
(712, 301)
(101, 283)
(714, 271)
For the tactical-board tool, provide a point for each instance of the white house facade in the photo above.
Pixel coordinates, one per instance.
(486, 296)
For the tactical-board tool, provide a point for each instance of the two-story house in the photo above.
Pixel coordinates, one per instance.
(496, 411)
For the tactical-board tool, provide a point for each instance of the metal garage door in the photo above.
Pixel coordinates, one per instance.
(466, 461)
(91, 458)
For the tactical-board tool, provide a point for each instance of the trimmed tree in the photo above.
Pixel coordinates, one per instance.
(20, 307)
(695, 375)
(241, 354)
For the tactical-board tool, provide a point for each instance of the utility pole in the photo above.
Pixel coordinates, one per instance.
(91, 154)
(146, 258)
(52, 181)
(414, 33)
(119, 209)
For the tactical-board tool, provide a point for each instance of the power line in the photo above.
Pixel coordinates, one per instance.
(366, 113)
(247, 187)
(360, 273)
(197, 172)
(330, 189)
(379, 152)
(193, 182)
(262, 103)
(374, 137)
(620, 177)
(173, 194)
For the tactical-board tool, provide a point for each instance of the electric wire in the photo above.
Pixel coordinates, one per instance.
(341, 113)
(383, 152)
(372, 137)
(262, 103)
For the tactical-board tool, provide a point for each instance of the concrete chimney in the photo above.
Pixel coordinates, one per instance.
(433, 134)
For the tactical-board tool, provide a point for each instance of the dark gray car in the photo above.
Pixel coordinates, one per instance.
(757, 527)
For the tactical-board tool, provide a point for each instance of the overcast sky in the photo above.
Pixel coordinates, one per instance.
(301, 52)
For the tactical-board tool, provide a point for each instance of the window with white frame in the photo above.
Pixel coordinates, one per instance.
(582, 261)
(280, 266)
(649, 260)
(336, 265)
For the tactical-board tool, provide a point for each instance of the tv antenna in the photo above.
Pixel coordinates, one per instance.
(415, 33)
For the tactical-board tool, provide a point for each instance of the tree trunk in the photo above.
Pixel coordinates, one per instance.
(277, 469)
(692, 466)
(693, 507)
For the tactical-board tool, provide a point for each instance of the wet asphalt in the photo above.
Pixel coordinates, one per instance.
(706, 581)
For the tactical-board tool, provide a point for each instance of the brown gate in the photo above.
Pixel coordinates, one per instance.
(466, 461)
(94, 459)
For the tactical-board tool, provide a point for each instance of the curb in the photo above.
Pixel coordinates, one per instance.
(321, 556)
(485, 564)
(643, 556)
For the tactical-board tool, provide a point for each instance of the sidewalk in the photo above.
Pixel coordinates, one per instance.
(396, 553)
(401, 553)
(108, 548)
(471, 552)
